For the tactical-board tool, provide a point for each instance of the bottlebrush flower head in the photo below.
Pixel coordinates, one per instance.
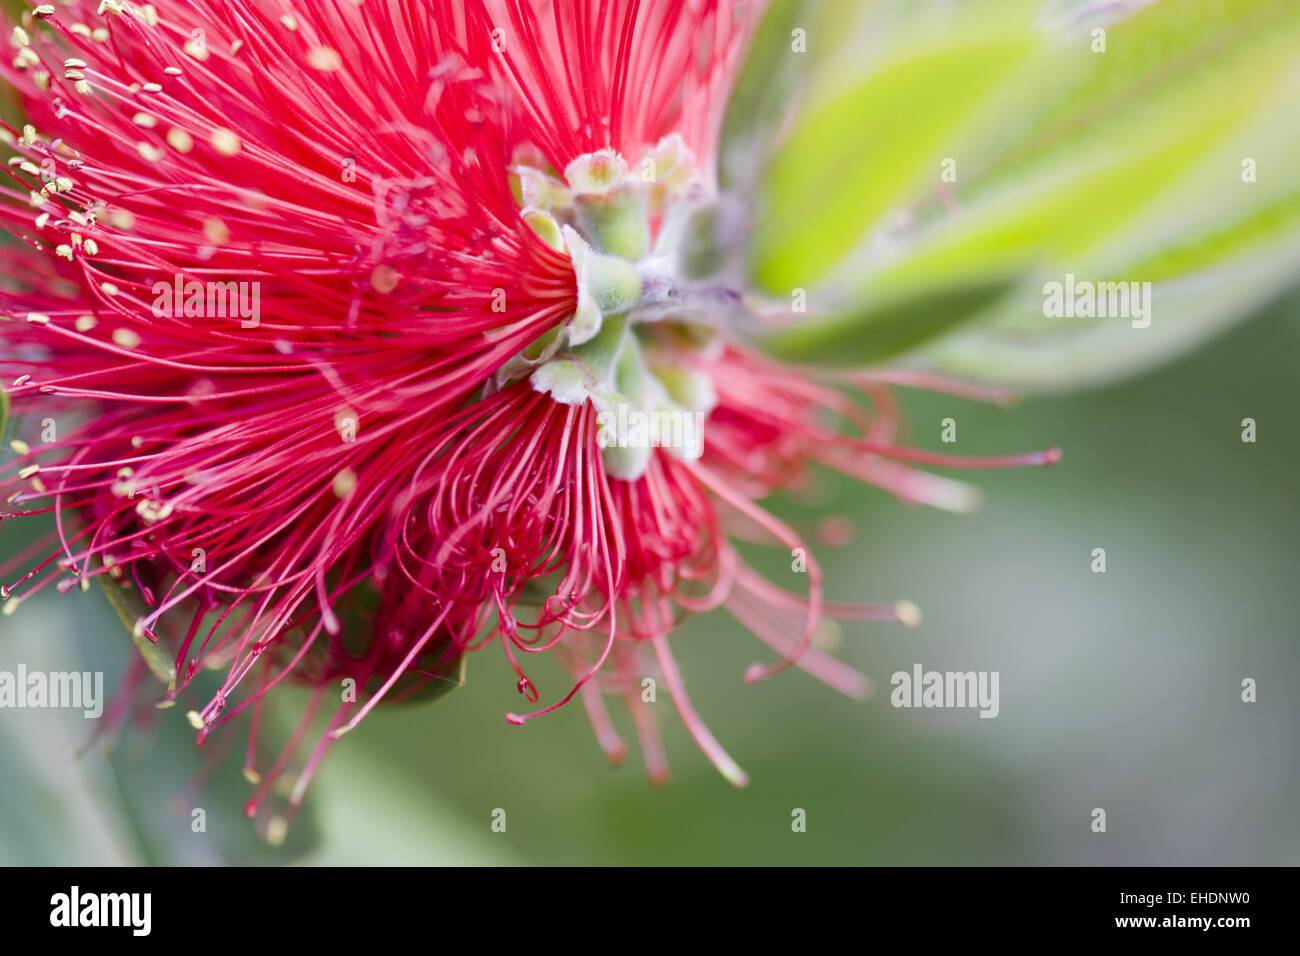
(328, 321)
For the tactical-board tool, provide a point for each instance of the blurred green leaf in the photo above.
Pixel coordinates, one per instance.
(130, 608)
(1118, 137)
(1139, 174)
(1075, 353)
(882, 329)
(853, 155)
(1122, 165)
(435, 688)
(768, 82)
(163, 780)
(84, 792)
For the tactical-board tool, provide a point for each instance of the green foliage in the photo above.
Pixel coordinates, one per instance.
(1166, 158)
(130, 608)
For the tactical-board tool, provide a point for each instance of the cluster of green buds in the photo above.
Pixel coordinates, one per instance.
(642, 325)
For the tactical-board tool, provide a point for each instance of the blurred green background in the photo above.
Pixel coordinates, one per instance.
(1118, 690)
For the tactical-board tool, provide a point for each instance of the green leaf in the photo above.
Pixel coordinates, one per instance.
(1076, 353)
(433, 675)
(1115, 141)
(887, 327)
(128, 798)
(1138, 175)
(1117, 166)
(4, 412)
(162, 779)
(764, 91)
(130, 608)
(870, 148)
(434, 689)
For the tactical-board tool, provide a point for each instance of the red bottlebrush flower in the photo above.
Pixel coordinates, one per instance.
(360, 338)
